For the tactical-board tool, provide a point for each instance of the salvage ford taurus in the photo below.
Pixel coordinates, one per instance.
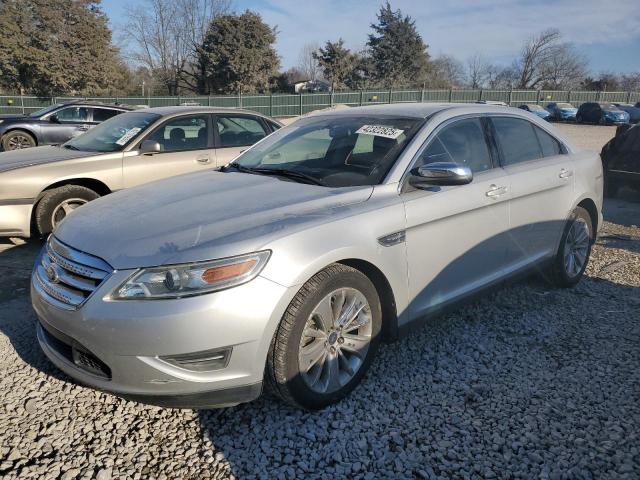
(291, 264)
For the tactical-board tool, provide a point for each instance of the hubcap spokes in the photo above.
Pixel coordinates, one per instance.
(576, 247)
(335, 340)
(18, 141)
(65, 208)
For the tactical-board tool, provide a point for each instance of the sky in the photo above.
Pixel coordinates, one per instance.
(607, 33)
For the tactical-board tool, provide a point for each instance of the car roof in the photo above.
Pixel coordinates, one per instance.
(96, 104)
(196, 109)
(415, 110)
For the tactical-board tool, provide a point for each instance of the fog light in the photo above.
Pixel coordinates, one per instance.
(204, 361)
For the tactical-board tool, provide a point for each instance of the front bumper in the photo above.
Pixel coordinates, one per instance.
(15, 218)
(115, 346)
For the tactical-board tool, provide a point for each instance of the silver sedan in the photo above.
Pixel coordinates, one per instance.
(292, 263)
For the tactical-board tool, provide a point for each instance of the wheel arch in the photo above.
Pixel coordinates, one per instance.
(21, 129)
(590, 206)
(385, 293)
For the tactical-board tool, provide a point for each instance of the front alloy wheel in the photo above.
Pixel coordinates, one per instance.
(326, 339)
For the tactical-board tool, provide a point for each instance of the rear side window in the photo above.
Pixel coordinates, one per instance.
(461, 142)
(102, 114)
(517, 139)
(550, 146)
(239, 131)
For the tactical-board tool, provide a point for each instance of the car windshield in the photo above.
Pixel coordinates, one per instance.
(114, 134)
(333, 151)
(44, 111)
(564, 105)
(610, 107)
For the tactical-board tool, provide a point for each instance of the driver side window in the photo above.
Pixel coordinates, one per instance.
(72, 115)
(460, 142)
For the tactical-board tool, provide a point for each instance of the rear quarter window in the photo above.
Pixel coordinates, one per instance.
(550, 146)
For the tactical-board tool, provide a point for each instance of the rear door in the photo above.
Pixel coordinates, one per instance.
(456, 236)
(186, 145)
(235, 133)
(65, 124)
(541, 186)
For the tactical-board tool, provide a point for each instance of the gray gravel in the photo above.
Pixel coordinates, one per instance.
(530, 382)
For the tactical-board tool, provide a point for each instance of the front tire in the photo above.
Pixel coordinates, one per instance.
(326, 339)
(573, 253)
(57, 203)
(17, 140)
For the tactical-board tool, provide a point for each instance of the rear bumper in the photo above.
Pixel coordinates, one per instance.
(15, 218)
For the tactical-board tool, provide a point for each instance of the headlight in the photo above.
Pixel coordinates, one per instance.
(189, 279)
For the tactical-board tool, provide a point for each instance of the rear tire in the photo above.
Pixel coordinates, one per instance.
(57, 203)
(335, 355)
(17, 139)
(578, 118)
(573, 253)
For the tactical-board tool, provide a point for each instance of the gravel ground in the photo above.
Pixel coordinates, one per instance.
(530, 382)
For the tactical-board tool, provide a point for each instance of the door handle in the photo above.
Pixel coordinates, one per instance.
(204, 159)
(495, 191)
(564, 173)
(83, 128)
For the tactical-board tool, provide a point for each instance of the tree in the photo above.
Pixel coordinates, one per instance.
(477, 70)
(564, 69)
(307, 62)
(166, 35)
(336, 62)
(445, 72)
(49, 49)
(238, 54)
(399, 55)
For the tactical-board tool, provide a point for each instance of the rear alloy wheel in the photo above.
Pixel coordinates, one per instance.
(17, 140)
(574, 251)
(59, 202)
(326, 339)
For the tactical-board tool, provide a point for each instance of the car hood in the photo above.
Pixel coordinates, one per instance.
(200, 216)
(10, 116)
(569, 110)
(37, 156)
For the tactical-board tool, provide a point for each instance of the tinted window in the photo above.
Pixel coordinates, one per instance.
(517, 140)
(73, 114)
(461, 142)
(102, 114)
(182, 133)
(550, 146)
(239, 131)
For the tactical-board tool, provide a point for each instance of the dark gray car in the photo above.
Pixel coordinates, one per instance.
(54, 125)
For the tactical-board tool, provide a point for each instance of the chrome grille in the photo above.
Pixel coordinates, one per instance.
(66, 276)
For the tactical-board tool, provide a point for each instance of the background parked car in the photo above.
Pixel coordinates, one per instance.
(40, 186)
(632, 110)
(536, 110)
(601, 112)
(54, 125)
(621, 160)
(561, 111)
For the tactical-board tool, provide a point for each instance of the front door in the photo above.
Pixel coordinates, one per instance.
(457, 236)
(541, 177)
(65, 124)
(185, 146)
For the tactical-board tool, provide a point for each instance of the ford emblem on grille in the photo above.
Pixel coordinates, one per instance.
(52, 274)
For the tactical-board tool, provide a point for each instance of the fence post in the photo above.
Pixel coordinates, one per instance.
(422, 95)
(331, 99)
(598, 96)
(300, 103)
(22, 102)
(510, 96)
(208, 100)
(361, 94)
(271, 104)
(53, 100)
(239, 99)
(179, 100)
(481, 92)
(390, 93)
(569, 96)
(629, 96)
(450, 95)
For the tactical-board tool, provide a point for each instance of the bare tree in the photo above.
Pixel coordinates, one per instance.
(535, 56)
(307, 63)
(564, 69)
(477, 70)
(166, 35)
(630, 82)
(445, 72)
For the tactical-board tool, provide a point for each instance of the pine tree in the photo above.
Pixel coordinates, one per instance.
(336, 61)
(397, 51)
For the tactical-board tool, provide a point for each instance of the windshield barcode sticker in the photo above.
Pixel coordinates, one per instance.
(127, 136)
(380, 131)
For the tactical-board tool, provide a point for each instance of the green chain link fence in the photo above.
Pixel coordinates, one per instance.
(285, 105)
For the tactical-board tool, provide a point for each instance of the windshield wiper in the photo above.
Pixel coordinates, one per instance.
(71, 147)
(283, 172)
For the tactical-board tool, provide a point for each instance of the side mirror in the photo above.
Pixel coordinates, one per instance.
(54, 118)
(440, 173)
(149, 147)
